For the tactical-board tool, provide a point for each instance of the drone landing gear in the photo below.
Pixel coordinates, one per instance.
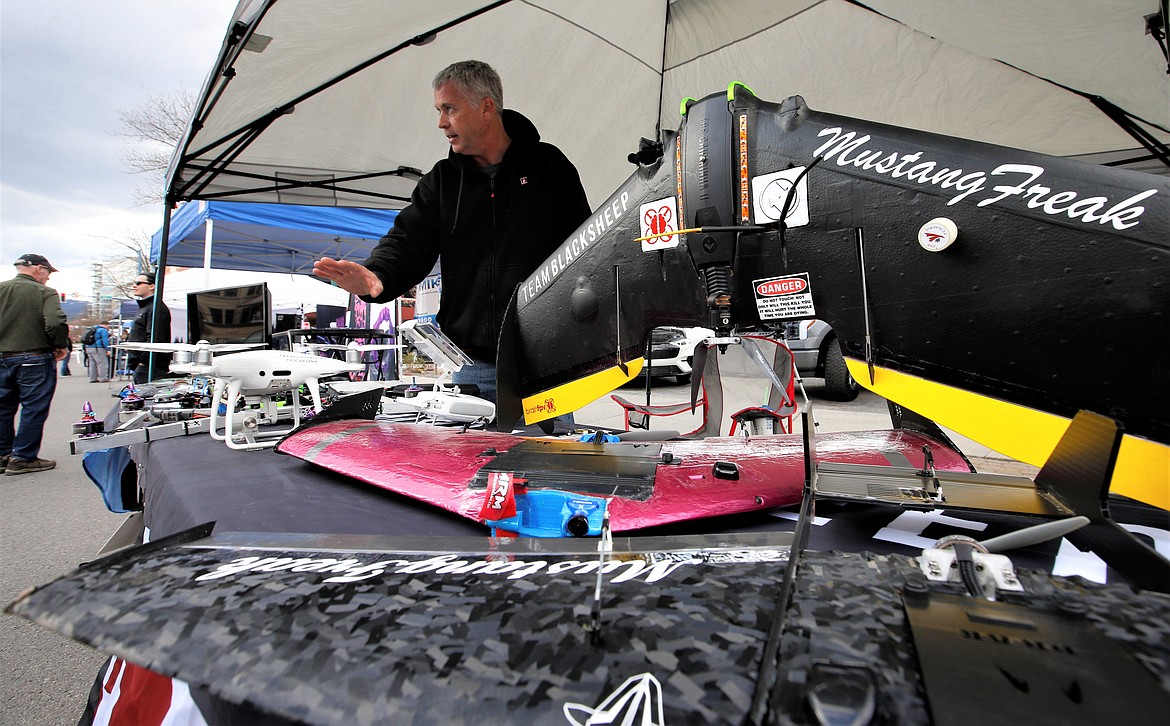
(251, 437)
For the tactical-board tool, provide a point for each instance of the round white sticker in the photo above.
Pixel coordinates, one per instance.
(938, 234)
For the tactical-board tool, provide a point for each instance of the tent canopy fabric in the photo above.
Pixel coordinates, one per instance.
(295, 294)
(290, 293)
(270, 237)
(328, 102)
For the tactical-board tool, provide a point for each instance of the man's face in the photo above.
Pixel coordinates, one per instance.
(142, 287)
(464, 122)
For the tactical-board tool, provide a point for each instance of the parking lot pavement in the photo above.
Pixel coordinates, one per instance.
(50, 522)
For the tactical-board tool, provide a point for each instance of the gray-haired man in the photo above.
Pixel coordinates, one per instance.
(33, 338)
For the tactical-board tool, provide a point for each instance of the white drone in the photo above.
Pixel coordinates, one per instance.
(438, 402)
(443, 401)
(256, 374)
(353, 349)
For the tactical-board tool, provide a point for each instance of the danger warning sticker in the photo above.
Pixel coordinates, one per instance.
(784, 297)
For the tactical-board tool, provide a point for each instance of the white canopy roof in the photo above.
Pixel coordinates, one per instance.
(329, 101)
(290, 293)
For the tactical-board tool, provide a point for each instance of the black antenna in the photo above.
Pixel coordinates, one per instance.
(604, 547)
(662, 74)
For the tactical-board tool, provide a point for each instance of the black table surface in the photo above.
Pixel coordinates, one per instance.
(192, 480)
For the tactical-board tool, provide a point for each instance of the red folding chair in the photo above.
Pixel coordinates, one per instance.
(775, 417)
(710, 401)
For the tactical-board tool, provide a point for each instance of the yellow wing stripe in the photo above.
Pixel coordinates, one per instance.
(569, 397)
(1025, 434)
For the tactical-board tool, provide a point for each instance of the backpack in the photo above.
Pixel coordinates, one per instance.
(90, 337)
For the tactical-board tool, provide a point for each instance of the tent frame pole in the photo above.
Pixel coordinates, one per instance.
(1128, 124)
(253, 130)
(208, 238)
(159, 286)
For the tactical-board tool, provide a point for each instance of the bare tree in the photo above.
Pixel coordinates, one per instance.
(153, 129)
(120, 268)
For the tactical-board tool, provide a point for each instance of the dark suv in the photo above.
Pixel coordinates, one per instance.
(818, 355)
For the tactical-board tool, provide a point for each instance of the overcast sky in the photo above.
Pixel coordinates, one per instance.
(66, 68)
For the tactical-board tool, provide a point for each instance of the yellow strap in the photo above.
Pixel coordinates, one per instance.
(668, 234)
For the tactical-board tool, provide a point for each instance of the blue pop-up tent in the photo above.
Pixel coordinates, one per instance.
(269, 237)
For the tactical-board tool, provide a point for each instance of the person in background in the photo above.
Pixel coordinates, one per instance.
(68, 354)
(97, 356)
(148, 366)
(122, 365)
(34, 336)
(491, 212)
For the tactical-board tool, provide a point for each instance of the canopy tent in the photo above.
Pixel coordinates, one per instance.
(268, 237)
(328, 102)
(290, 293)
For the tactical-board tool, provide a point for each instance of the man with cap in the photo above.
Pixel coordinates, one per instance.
(33, 337)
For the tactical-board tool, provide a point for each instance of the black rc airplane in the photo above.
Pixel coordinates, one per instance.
(964, 281)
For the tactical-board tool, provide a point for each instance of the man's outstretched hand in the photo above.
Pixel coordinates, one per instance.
(349, 276)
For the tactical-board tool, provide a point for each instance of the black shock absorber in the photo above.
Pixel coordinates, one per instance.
(718, 282)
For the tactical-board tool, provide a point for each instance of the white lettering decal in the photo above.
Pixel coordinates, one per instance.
(241, 565)
(572, 249)
(1118, 214)
(646, 569)
(1086, 208)
(846, 148)
(636, 701)
(364, 572)
(1033, 173)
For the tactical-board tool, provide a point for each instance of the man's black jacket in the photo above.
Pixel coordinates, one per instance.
(489, 232)
(140, 333)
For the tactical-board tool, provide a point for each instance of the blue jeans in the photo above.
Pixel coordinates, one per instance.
(482, 374)
(27, 383)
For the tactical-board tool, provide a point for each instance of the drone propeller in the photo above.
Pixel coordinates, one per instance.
(1035, 534)
(353, 350)
(190, 347)
(187, 355)
(352, 346)
(979, 566)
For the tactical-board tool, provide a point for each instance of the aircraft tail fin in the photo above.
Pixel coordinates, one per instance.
(1078, 474)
